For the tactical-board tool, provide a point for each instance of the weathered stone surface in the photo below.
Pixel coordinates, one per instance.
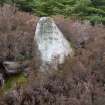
(9, 68)
(1, 80)
(11, 64)
(12, 67)
(51, 43)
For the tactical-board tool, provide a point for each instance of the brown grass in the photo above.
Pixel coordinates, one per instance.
(80, 81)
(16, 33)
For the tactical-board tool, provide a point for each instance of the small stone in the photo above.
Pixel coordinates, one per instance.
(12, 67)
(1, 80)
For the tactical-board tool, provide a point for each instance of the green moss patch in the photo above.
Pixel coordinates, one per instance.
(13, 81)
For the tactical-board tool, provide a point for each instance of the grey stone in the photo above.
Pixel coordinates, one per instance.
(12, 67)
(1, 80)
(51, 43)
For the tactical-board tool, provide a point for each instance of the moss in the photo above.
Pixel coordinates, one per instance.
(12, 82)
(23, 57)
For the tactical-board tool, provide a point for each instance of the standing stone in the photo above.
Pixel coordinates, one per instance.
(51, 43)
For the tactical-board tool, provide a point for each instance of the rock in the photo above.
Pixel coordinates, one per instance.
(1, 80)
(11, 64)
(9, 68)
(51, 43)
(12, 67)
